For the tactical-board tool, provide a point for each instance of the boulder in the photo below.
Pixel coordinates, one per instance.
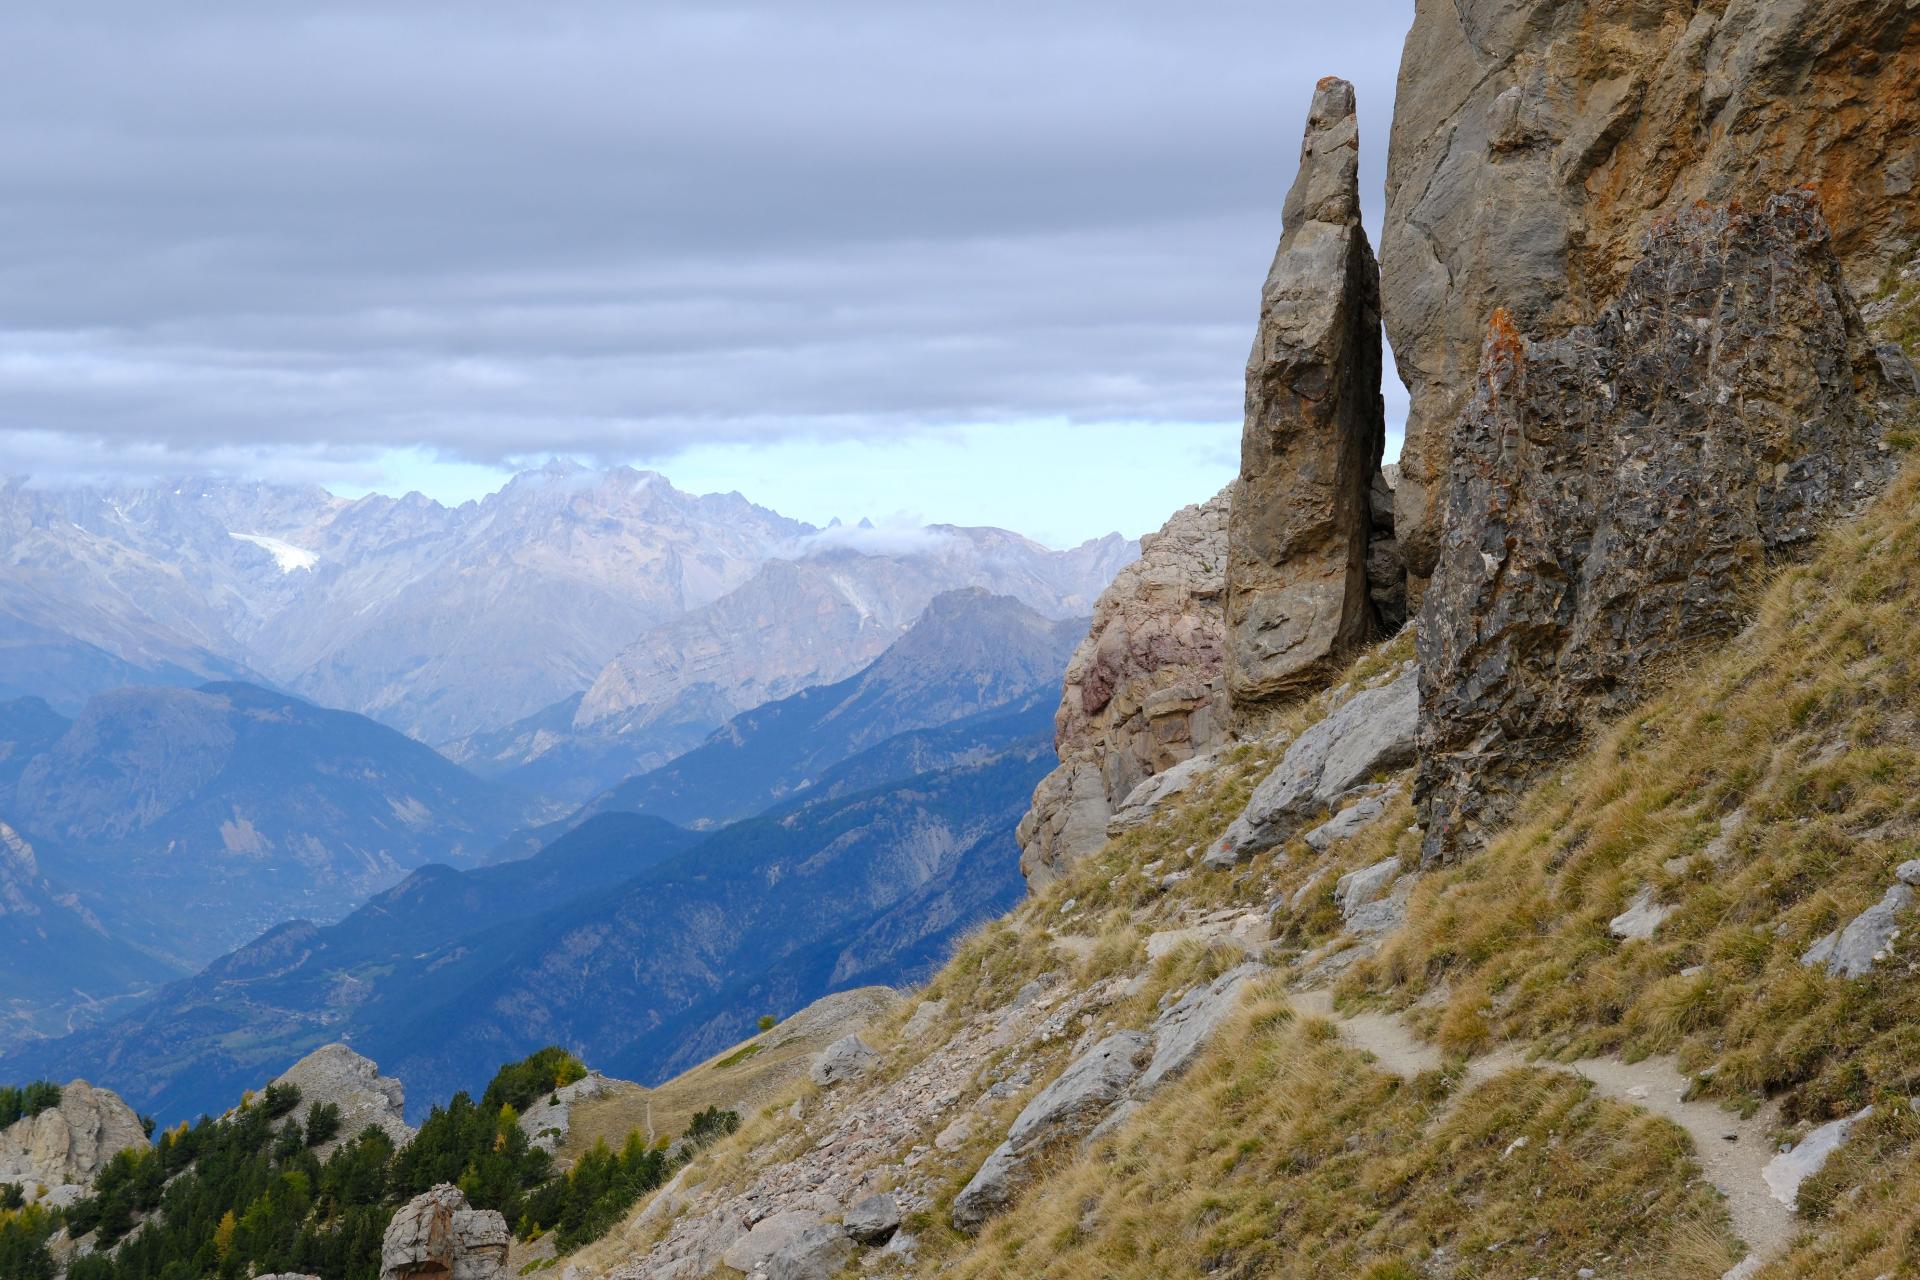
(1613, 493)
(926, 1016)
(1182, 1032)
(1641, 918)
(1371, 732)
(1302, 521)
(1786, 1171)
(1535, 145)
(873, 1220)
(336, 1074)
(1347, 823)
(438, 1236)
(1144, 800)
(1358, 889)
(847, 1058)
(69, 1144)
(1851, 952)
(796, 1244)
(1144, 691)
(1066, 1109)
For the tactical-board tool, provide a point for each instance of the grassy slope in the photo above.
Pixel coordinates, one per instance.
(1287, 1154)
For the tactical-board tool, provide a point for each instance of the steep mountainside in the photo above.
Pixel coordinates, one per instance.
(970, 653)
(801, 622)
(1315, 1058)
(203, 1039)
(28, 726)
(762, 917)
(63, 968)
(189, 820)
(622, 938)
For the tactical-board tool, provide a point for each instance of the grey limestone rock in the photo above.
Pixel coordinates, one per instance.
(1371, 732)
(1851, 952)
(1068, 1108)
(438, 1236)
(873, 1220)
(847, 1058)
(1302, 522)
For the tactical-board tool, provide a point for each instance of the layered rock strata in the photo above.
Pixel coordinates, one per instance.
(1612, 493)
(1302, 520)
(1144, 691)
(1535, 144)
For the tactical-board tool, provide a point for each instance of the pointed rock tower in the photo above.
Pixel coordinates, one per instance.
(1302, 516)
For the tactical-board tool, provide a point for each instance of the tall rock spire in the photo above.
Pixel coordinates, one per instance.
(1297, 591)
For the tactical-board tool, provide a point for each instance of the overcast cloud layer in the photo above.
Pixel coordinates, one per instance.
(281, 236)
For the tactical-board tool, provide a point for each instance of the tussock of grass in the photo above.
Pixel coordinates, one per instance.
(1768, 798)
(1284, 1154)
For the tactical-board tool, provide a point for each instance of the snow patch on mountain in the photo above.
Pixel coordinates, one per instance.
(285, 554)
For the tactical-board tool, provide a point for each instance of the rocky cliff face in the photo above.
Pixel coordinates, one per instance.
(1534, 145)
(68, 1145)
(1612, 493)
(1145, 690)
(1301, 522)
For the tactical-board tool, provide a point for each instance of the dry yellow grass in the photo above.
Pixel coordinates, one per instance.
(1286, 1155)
(1767, 800)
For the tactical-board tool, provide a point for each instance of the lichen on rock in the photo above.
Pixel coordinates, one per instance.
(1613, 493)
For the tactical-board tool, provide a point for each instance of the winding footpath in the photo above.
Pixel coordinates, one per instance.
(1733, 1152)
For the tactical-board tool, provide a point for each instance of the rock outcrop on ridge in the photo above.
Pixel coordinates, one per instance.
(1302, 517)
(1535, 144)
(68, 1145)
(336, 1074)
(1144, 691)
(1613, 492)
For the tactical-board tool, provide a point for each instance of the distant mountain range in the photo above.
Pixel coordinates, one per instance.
(795, 624)
(644, 945)
(186, 820)
(606, 616)
(971, 654)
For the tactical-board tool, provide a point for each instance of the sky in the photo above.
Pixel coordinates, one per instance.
(983, 262)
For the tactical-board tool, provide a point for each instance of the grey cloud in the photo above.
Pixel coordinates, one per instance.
(251, 230)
